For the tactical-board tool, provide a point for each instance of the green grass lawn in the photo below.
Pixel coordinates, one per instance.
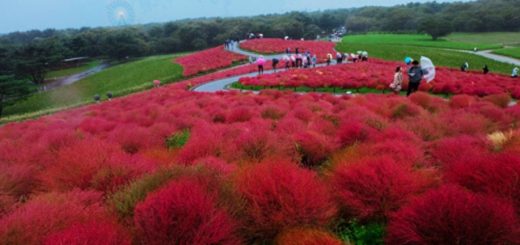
(73, 70)
(120, 80)
(417, 40)
(440, 56)
(500, 38)
(511, 52)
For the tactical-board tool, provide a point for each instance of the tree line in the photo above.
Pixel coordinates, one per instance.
(28, 56)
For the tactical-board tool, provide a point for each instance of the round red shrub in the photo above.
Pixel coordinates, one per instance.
(280, 195)
(50, 213)
(93, 233)
(451, 215)
(183, 213)
(374, 188)
(496, 175)
(91, 163)
(307, 236)
(314, 148)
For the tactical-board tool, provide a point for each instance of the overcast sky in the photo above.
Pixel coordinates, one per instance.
(22, 15)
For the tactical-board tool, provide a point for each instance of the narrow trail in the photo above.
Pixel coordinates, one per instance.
(496, 57)
(75, 77)
(224, 83)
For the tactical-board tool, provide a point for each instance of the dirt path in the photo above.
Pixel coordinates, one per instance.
(76, 77)
(490, 55)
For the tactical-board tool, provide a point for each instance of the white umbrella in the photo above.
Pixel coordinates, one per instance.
(429, 68)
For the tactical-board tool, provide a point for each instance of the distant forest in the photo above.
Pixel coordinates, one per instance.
(196, 34)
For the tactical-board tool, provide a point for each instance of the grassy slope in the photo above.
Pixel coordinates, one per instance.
(416, 40)
(120, 80)
(511, 52)
(500, 38)
(440, 56)
(73, 70)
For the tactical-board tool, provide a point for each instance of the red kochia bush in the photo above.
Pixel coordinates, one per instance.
(280, 195)
(372, 189)
(183, 213)
(306, 236)
(494, 175)
(93, 164)
(451, 215)
(94, 233)
(314, 148)
(50, 213)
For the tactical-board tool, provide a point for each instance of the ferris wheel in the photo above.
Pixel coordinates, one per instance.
(120, 13)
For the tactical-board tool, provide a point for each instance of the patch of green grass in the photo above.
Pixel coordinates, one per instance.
(511, 52)
(440, 57)
(121, 79)
(73, 70)
(416, 40)
(499, 38)
(361, 234)
(178, 140)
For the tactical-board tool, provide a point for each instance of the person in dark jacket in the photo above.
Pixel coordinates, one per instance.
(415, 74)
(485, 70)
(275, 62)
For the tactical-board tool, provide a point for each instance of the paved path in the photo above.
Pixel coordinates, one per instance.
(490, 55)
(223, 84)
(76, 77)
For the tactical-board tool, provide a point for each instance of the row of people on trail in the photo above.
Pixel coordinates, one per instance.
(485, 70)
(341, 57)
(230, 44)
(252, 35)
(293, 61)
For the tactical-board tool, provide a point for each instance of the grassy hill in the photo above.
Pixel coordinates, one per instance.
(120, 80)
(442, 52)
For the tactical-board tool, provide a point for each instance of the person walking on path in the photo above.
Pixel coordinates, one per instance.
(515, 72)
(260, 63)
(339, 58)
(275, 62)
(287, 62)
(485, 70)
(415, 75)
(397, 84)
(464, 67)
(314, 61)
(329, 59)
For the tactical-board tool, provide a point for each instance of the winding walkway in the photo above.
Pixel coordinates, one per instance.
(76, 77)
(224, 83)
(496, 57)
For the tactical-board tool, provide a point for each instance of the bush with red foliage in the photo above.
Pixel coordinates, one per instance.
(280, 195)
(278, 46)
(208, 60)
(183, 212)
(496, 175)
(314, 148)
(100, 233)
(452, 215)
(91, 163)
(372, 189)
(50, 213)
(377, 74)
(448, 151)
(306, 236)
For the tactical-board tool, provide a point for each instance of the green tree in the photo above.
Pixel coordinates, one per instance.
(12, 90)
(35, 60)
(124, 43)
(435, 27)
